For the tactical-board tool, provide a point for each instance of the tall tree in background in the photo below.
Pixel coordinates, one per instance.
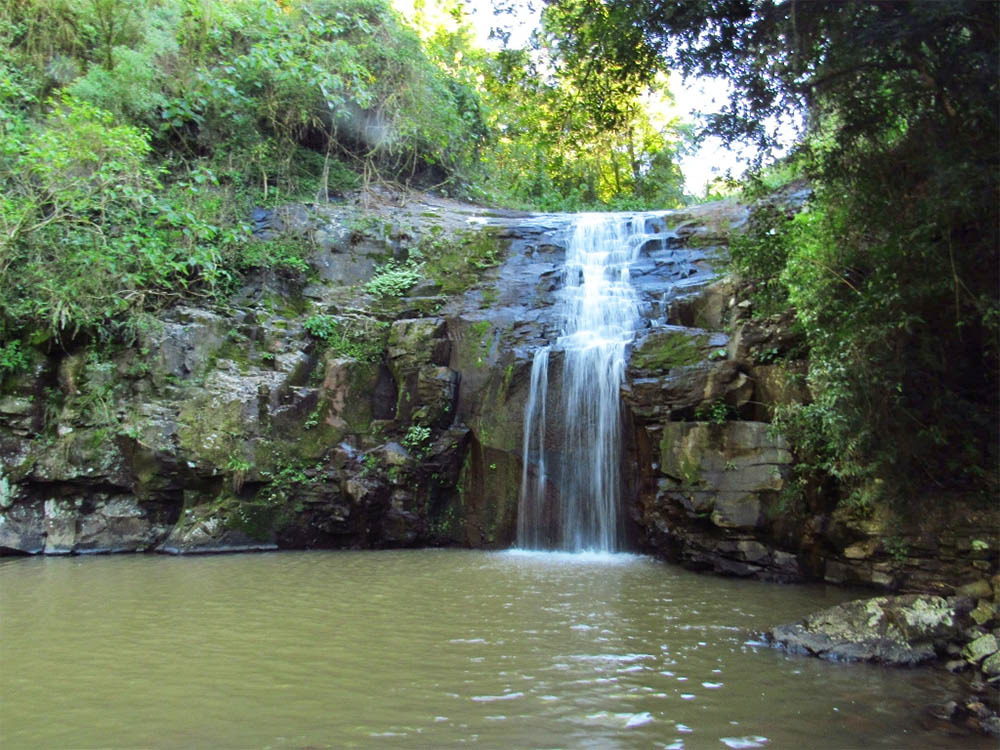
(560, 140)
(566, 144)
(893, 272)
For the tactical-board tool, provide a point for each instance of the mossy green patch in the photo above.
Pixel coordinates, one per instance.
(457, 262)
(359, 338)
(210, 431)
(667, 350)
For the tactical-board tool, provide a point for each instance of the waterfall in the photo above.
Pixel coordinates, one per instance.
(571, 493)
(532, 498)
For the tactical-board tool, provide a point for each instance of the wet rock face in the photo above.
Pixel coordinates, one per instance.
(245, 428)
(711, 469)
(240, 428)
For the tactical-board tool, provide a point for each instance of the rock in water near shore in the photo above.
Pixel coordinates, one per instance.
(893, 630)
(910, 630)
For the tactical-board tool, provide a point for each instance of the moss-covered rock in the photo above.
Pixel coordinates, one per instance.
(669, 348)
(898, 631)
(223, 525)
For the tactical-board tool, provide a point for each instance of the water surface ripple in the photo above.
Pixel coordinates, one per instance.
(425, 649)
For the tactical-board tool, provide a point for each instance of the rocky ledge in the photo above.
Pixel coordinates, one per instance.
(353, 408)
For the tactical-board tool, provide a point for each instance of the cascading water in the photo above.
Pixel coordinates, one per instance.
(600, 315)
(529, 518)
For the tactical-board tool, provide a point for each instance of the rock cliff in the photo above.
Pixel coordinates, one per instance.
(380, 402)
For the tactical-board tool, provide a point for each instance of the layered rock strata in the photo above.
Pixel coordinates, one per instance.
(237, 427)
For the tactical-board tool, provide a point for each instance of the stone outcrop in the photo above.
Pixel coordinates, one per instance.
(301, 415)
(958, 634)
(716, 482)
(317, 414)
(897, 630)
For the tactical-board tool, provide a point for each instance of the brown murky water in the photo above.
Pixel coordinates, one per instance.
(425, 649)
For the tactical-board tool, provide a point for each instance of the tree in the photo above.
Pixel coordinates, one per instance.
(566, 141)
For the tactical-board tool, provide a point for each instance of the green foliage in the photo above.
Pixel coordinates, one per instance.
(759, 254)
(358, 338)
(370, 465)
(92, 237)
(896, 547)
(901, 357)
(321, 326)
(417, 440)
(237, 468)
(716, 412)
(393, 278)
(301, 100)
(569, 143)
(12, 359)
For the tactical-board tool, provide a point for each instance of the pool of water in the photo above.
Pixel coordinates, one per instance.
(427, 649)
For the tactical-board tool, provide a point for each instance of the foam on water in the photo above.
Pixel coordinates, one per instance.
(584, 557)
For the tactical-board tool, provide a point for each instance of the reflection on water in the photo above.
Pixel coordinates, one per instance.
(426, 649)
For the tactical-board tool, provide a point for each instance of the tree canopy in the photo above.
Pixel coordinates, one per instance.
(135, 137)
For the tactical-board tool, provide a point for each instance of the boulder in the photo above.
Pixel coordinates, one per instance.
(218, 527)
(891, 630)
(983, 646)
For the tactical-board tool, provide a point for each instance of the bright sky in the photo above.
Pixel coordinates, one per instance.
(693, 96)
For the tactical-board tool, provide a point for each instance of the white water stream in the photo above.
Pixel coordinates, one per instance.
(571, 494)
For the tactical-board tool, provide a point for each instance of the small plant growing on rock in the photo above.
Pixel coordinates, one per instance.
(716, 412)
(369, 465)
(767, 356)
(896, 548)
(313, 419)
(321, 326)
(393, 279)
(238, 468)
(358, 338)
(417, 439)
(12, 358)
